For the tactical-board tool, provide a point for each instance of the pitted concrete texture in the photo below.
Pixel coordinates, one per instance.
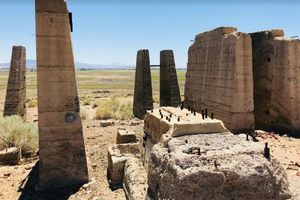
(156, 126)
(61, 146)
(169, 89)
(219, 77)
(143, 99)
(117, 157)
(276, 71)
(216, 167)
(15, 101)
(135, 180)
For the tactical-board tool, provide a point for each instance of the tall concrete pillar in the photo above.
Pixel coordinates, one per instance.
(169, 89)
(143, 100)
(15, 101)
(61, 145)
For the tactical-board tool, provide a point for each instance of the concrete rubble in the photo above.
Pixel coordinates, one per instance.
(10, 156)
(187, 155)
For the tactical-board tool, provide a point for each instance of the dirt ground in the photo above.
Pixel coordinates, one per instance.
(18, 182)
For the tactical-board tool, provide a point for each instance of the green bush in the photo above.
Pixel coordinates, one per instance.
(16, 133)
(113, 109)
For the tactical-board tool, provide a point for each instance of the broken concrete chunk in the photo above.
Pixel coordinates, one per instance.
(117, 156)
(10, 156)
(228, 168)
(124, 136)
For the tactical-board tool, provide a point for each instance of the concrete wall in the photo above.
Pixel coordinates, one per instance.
(276, 70)
(219, 77)
(143, 99)
(15, 101)
(169, 89)
(61, 146)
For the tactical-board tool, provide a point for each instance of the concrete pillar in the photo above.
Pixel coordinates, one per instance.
(276, 77)
(15, 101)
(61, 145)
(143, 100)
(169, 89)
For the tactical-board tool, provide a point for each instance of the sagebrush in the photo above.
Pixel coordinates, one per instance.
(113, 109)
(16, 133)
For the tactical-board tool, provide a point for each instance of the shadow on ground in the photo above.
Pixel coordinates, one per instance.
(29, 192)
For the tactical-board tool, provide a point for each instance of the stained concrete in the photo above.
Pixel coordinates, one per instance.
(61, 145)
(143, 99)
(276, 64)
(15, 101)
(214, 166)
(169, 89)
(219, 77)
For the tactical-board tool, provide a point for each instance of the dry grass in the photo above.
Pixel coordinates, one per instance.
(16, 133)
(84, 113)
(113, 109)
(31, 103)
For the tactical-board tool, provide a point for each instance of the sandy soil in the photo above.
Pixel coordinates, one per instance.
(18, 182)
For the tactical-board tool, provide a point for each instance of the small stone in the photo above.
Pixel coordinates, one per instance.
(297, 163)
(298, 174)
(106, 123)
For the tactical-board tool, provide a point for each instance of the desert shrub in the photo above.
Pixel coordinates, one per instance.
(84, 113)
(124, 111)
(16, 133)
(113, 109)
(32, 103)
(106, 109)
(87, 101)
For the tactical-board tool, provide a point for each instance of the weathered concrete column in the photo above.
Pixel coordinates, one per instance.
(61, 144)
(143, 100)
(169, 89)
(15, 101)
(276, 77)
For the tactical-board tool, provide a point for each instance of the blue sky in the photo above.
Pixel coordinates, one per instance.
(112, 31)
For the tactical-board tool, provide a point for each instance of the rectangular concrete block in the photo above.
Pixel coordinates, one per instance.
(219, 77)
(276, 81)
(124, 136)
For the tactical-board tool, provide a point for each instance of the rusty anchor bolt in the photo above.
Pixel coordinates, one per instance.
(178, 119)
(199, 152)
(212, 115)
(203, 116)
(194, 112)
(206, 114)
(267, 151)
(151, 110)
(247, 136)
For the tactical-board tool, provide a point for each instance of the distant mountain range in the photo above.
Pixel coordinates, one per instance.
(31, 64)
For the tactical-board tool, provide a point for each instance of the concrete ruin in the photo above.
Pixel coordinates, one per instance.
(15, 101)
(169, 88)
(143, 99)
(219, 77)
(61, 146)
(187, 155)
(276, 74)
(197, 158)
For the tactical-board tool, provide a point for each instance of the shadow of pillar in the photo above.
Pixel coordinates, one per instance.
(29, 188)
